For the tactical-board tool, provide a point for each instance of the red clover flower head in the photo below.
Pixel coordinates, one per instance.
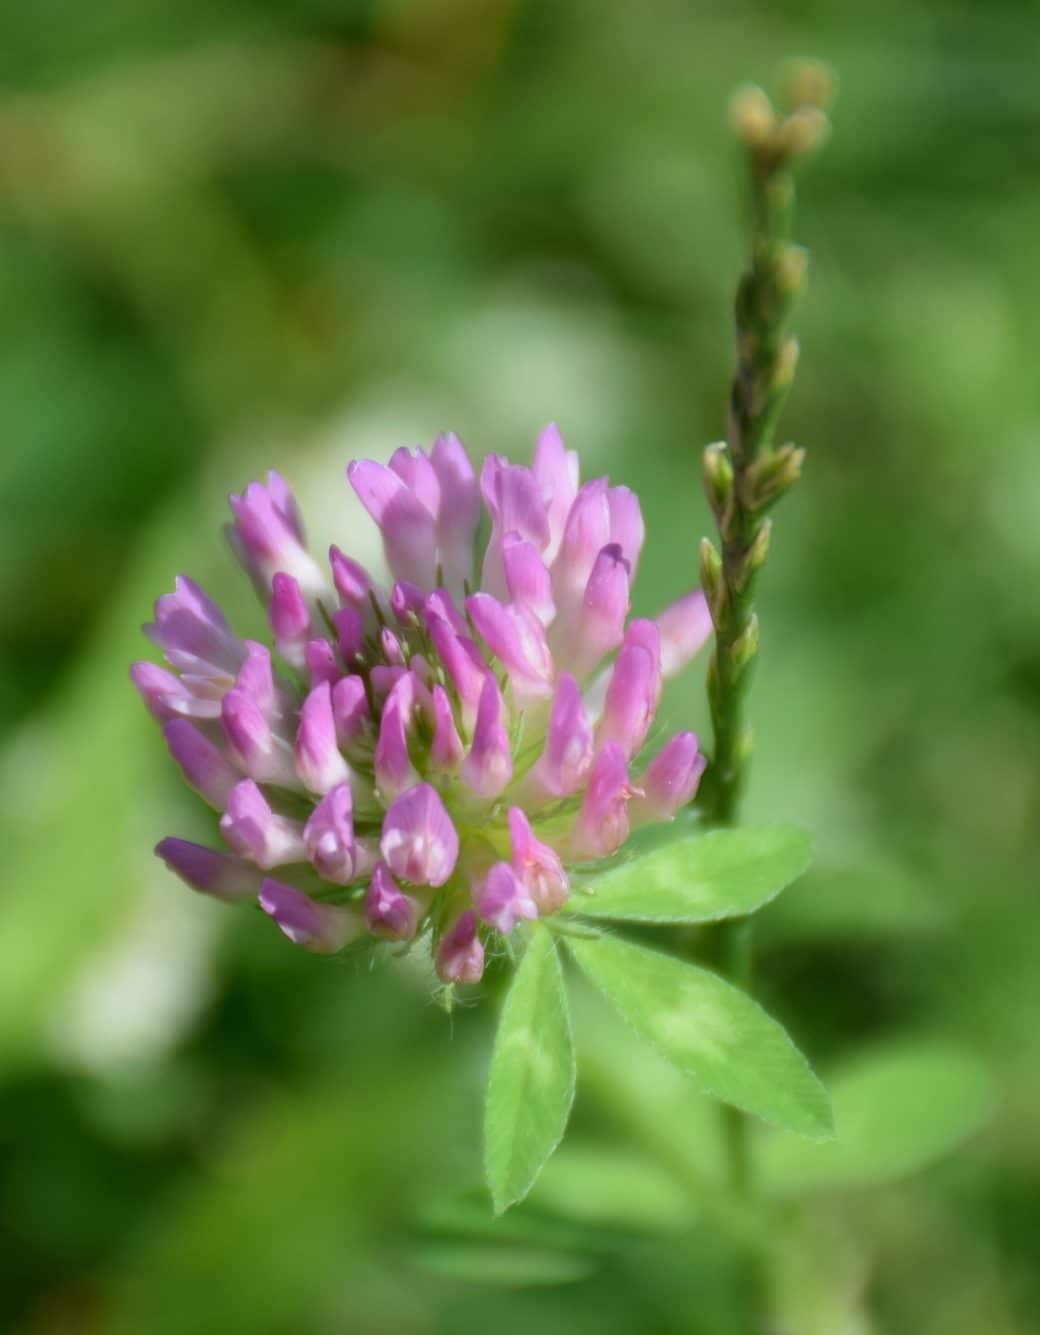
(431, 758)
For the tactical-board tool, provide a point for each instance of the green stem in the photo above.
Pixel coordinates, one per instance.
(744, 477)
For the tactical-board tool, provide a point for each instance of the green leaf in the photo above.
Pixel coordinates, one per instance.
(897, 1109)
(531, 1086)
(699, 877)
(710, 1030)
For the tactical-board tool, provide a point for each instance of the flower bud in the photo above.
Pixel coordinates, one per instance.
(537, 866)
(446, 749)
(569, 747)
(204, 766)
(502, 899)
(514, 634)
(460, 953)
(489, 765)
(268, 538)
(419, 842)
(555, 470)
(353, 582)
(600, 624)
(407, 526)
(350, 710)
(321, 928)
(254, 831)
(221, 875)
(602, 824)
(320, 661)
(527, 579)
(685, 628)
(671, 779)
(194, 635)
(166, 695)
(459, 512)
(634, 691)
(329, 839)
(752, 117)
(390, 913)
(290, 619)
(318, 760)
(394, 770)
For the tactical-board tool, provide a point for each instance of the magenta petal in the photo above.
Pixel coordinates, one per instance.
(353, 582)
(556, 471)
(502, 899)
(516, 637)
(462, 661)
(221, 875)
(626, 524)
(390, 913)
(350, 710)
(329, 838)
(267, 537)
(254, 831)
(586, 533)
(168, 696)
(602, 825)
(685, 628)
(393, 764)
(634, 690)
(262, 754)
(569, 746)
(600, 624)
(459, 512)
(350, 633)
(318, 760)
(527, 578)
(409, 539)
(322, 928)
(204, 766)
(419, 842)
(446, 749)
(193, 633)
(418, 474)
(290, 619)
(671, 779)
(460, 952)
(321, 663)
(489, 765)
(537, 865)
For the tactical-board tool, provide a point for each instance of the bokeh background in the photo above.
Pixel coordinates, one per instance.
(243, 233)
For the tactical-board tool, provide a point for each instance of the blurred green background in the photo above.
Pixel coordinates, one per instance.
(243, 234)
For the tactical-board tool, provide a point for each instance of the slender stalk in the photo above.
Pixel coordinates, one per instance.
(744, 476)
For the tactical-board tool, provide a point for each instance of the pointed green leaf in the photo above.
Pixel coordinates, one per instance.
(897, 1108)
(531, 1086)
(698, 877)
(710, 1030)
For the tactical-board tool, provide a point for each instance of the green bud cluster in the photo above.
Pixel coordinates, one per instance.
(745, 475)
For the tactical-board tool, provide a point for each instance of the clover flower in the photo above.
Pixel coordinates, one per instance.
(440, 756)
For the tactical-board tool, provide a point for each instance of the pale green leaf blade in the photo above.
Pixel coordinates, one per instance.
(698, 877)
(715, 1033)
(897, 1108)
(531, 1086)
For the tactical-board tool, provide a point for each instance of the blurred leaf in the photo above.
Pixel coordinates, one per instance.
(710, 1030)
(896, 1109)
(531, 1085)
(873, 900)
(699, 877)
(612, 1185)
(502, 1267)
